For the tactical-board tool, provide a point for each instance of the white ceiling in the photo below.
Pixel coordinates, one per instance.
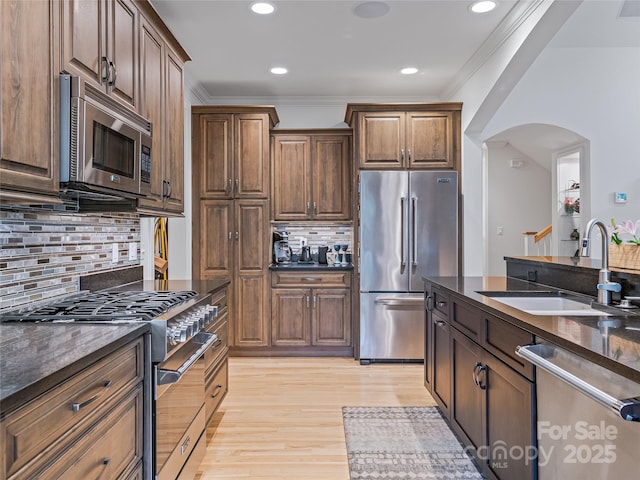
(331, 52)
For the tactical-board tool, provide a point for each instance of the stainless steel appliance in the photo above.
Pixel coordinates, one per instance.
(105, 148)
(409, 229)
(587, 418)
(281, 248)
(175, 410)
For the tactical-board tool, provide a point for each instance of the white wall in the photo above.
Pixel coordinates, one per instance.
(518, 199)
(593, 92)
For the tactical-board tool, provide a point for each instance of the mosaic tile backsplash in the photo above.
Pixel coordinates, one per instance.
(317, 235)
(43, 253)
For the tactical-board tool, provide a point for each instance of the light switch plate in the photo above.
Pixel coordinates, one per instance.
(133, 251)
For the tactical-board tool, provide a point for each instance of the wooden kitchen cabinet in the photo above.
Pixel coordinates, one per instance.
(438, 348)
(99, 42)
(310, 309)
(231, 151)
(230, 242)
(162, 103)
(216, 358)
(406, 136)
(66, 434)
(29, 159)
(311, 175)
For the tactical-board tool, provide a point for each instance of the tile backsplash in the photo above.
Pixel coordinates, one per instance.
(317, 235)
(43, 252)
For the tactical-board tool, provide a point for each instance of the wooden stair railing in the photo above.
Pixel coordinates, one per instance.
(537, 238)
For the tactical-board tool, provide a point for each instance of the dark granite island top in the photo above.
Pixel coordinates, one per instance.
(37, 357)
(611, 341)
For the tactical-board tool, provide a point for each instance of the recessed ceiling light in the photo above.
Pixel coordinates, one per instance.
(371, 9)
(279, 70)
(409, 70)
(263, 8)
(483, 6)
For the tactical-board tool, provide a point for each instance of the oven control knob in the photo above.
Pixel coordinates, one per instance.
(176, 335)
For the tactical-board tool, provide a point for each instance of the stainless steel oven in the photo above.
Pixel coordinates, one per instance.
(179, 413)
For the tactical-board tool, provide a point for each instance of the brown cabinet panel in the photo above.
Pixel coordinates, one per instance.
(381, 140)
(252, 156)
(174, 135)
(213, 154)
(311, 176)
(28, 101)
(429, 142)
(330, 175)
(291, 163)
(502, 338)
(331, 317)
(252, 317)
(122, 35)
(252, 244)
(215, 239)
(467, 319)
(290, 324)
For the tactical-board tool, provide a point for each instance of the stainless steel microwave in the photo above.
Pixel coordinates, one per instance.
(105, 148)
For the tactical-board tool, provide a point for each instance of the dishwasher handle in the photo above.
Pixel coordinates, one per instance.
(628, 409)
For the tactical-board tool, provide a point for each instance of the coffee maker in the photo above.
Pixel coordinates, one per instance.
(281, 249)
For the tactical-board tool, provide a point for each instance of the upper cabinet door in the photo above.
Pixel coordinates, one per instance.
(251, 165)
(291, 194)
(213, 154)
(381, 140)
(430, 140)
(28, 101)
(330, 177)
(100, 44)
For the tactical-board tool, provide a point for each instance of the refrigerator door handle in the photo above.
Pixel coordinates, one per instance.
(403, 253)
(414, 233)
(400, 302)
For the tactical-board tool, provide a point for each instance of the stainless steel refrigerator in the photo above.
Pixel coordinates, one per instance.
(408, 229)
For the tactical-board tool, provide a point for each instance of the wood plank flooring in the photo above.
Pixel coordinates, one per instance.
(282, 417)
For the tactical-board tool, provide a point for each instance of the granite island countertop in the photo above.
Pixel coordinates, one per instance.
(37, 357)
(611, 341)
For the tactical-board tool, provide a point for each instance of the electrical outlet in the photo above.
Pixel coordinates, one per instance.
(499, 230)
(114, 253)
(133, 251)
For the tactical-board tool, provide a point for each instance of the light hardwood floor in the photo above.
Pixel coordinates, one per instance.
(282, 418)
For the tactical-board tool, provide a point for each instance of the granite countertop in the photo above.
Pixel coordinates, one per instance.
(611, 341)
(36, 357)
(308, 266)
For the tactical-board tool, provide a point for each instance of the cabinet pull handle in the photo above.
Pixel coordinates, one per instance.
(311, 279)
(482, 386)
(429, 303)
(439, 323)
(308, 207)
(106, 69)
(409, 153)
(218, 389)
(105, 463)
(103, 388)
(237, 235)
(114, 75)
(216, 344)
(237, 185)
(227, 191)
(475, 373)
(442, 304)
(402, 154)
(315, 208)
(168, 188)
(314, 301)
(230, 235)
(307, 301)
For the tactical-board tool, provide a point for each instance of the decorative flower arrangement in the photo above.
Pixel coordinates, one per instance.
(626, 232)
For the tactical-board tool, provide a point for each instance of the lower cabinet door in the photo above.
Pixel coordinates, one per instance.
(510, 422)
(441, 363)
(331, 317)
(467, 405)
(290, 308)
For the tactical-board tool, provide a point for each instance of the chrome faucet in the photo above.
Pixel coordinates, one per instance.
(605, 285)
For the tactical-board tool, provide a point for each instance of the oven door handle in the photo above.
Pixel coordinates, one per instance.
(165, 377)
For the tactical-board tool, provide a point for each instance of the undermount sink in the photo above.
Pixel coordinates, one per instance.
(544, 302)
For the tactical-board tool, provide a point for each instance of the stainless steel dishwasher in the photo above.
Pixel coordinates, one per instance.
(587, 417)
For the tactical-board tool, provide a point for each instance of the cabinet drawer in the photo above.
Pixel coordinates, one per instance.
(221, 346)
(440, 301)
(216, 388)
(112, 447)
(62, 412)
(467, 319)
(502, 338)
(220, 299)
(309, 279)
